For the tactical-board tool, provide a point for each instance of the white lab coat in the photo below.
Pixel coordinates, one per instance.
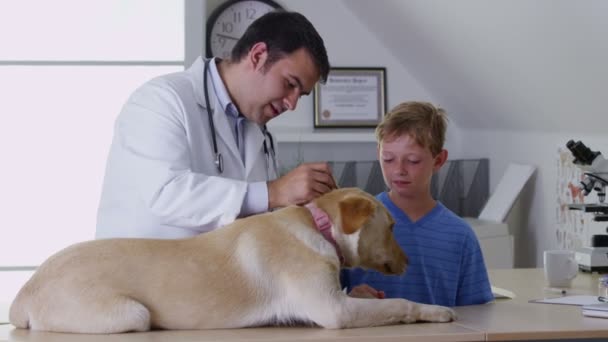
(161, 180)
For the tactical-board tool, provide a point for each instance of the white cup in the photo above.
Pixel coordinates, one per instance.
(560, 268)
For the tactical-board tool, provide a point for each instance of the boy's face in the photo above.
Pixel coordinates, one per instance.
(408, 167)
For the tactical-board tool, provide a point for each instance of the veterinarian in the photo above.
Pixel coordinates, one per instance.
(191, 151)
(446, 266)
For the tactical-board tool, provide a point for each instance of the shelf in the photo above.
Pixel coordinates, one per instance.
(304, 135)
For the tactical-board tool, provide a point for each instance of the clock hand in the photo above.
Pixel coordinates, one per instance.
(225, 36)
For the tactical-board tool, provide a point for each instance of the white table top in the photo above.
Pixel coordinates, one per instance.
(514, 319)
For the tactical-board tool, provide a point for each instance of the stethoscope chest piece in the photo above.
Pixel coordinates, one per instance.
(219, 162)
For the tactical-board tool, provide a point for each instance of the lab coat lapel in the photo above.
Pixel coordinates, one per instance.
(254, 141)
(197, 70)
(225, 132)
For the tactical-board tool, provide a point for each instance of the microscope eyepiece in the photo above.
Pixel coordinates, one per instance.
(582, 154)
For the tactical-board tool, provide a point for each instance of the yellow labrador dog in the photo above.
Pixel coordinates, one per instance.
(274, 268)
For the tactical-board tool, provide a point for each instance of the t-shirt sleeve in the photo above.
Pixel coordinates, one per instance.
(474, 284)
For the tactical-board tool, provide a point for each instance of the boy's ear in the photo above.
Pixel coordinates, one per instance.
(354, 212)
(257, 55)
(440, 159)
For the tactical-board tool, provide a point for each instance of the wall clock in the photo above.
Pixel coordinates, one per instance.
(228, 23)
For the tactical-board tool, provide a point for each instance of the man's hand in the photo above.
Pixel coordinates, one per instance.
(301, 185)
(366, 291)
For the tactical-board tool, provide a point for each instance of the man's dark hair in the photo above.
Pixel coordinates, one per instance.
(283, 32)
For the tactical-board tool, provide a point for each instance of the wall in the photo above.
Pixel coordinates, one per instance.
(499, 64)
(536, 223)
(361, 49)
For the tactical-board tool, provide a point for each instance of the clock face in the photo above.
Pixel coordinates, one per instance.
(231, 24)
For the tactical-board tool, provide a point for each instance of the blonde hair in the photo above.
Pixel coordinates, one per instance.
(421, 120)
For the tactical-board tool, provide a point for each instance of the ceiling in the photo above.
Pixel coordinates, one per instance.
(502, 65)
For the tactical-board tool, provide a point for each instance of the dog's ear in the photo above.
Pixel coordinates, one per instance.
(355, 211)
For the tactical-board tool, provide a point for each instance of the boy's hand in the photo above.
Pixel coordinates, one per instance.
(366, 291)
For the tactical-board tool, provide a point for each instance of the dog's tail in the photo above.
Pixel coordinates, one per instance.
(18, 315)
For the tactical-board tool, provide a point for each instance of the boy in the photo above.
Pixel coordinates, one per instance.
(446, 265)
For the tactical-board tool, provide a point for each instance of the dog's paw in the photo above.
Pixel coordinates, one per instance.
(446, 315)
(436, 313)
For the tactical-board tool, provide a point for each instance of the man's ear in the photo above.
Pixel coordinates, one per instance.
(354, 212)
(257, 55)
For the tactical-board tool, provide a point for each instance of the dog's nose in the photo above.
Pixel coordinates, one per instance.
(402, 262)
(396, 266)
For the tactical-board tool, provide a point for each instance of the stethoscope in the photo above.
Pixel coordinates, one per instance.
(271, 158)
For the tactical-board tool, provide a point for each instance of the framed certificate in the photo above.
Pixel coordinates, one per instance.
(351, 97)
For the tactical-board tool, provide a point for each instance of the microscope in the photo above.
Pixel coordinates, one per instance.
(595, 257)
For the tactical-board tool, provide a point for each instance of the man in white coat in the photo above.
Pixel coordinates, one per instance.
(190, 151)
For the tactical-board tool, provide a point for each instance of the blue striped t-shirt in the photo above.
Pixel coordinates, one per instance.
(446, 265)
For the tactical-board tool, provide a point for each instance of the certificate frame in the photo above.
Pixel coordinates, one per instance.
(352, 97)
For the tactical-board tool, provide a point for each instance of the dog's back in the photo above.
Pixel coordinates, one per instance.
(217, 279)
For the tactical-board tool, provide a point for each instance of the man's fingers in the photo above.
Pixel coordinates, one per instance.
(301, 185)
(325, 178)
(324, 169)
(320, 188)
(318, 166)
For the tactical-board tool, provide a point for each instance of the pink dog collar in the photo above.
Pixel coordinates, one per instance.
(323, 224)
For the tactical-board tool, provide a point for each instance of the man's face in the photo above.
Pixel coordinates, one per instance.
(279, 87)
(408, 167)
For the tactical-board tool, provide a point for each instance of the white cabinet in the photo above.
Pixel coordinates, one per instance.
(496, 242)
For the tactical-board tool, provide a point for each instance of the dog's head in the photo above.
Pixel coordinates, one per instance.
(363, 230)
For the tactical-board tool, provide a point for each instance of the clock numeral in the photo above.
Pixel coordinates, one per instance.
(227, 27)
(250, 13)
(236, 17)
(222, 41)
